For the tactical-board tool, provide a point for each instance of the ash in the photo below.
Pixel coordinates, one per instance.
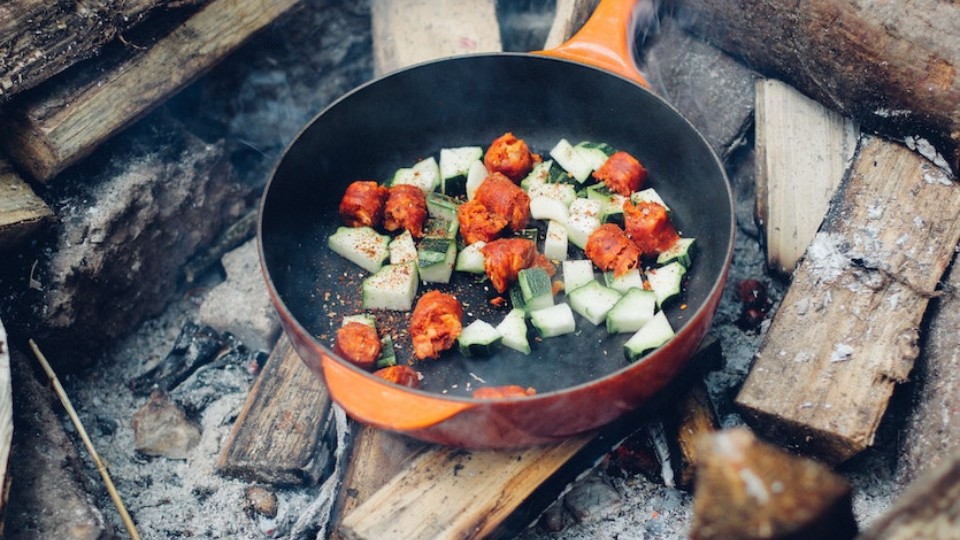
(274, 85)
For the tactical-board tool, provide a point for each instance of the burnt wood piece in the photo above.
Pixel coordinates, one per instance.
(195, 346)
(63, 121)
(750, 489)
(22, 212)
(278, 437)
(803, 150)
(40, 38)
(933, 428)
(891, 66)
(692, 419)
(846, 332)
(928, 510)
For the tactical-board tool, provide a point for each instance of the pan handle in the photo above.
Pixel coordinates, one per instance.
(604, 41)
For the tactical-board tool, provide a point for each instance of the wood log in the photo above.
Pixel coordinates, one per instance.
(892, 66)
(803, 150)
(932, 431)
(846, 332)
(40, 38)
(6, 422)
(407, 32)
(292, 405)
(928, 510)
(22, 212)
(750, 489)
(685, 425)
(60, 123)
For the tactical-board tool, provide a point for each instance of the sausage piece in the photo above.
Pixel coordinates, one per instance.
(503, 260)
(477, 223)
(502, 197)
(358, 343)
(510, 156)
(505, 391)
(610, 249)
(648, 225)
(435, 324)
(402, 375)
(622, 173)
(362, 204)
(406, 207)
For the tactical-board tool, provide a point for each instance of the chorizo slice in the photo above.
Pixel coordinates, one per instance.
(477, 223)
(610, 249)
(435, 324)
(505, 391)
(648, 225)
(502, 197)
(406, 207)
(503, 259)
(510, 156)
(622, 173)
(402, 375)
(358, 343)
(362, 204)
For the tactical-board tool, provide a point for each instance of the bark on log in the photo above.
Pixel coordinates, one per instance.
(893, 66)
(846, 333)
(40, 38)
(63, 121)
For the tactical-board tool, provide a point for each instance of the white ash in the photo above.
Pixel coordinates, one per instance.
(841, 352)
(828, 256)
(927, 150)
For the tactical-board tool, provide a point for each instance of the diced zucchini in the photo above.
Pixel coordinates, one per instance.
(536, 288)
(435, 227)
(611, 208)
(681, 251)
(632, 311)
(594, 154)
(455, 166)
(555, 243)
(442, 206)
(592, 301)
(538, 176)
(633, 278)
(546, 208)
(586, 207)
(393, 287)
(648, 195)
(555, 320)
(425, 174)
(516, 297)
(362, 246)
(362, 318)
(576, 273)
(651, 335)
(531, 234)
(475, 176)
(402, 248)
(435, 259)
(513, 328)
(470, 259)
(666, 281)
(571, 160)
(479, 338)
(564, 193)
(580, 227)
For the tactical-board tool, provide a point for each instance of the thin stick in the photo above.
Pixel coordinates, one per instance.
(101, 468)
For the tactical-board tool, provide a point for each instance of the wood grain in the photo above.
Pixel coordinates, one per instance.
(846, 332)
(59, 124)
(278, 436)
(21, 211)
(803, 150)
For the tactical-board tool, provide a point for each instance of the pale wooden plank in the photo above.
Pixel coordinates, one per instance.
(57, 127)
(803, 150)
(6, 420)
(21, 211)
(846, 332)
(407, 32)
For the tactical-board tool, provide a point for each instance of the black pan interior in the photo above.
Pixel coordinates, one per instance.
(397, 120)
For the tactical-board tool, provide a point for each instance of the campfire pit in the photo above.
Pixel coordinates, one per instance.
(207, 437)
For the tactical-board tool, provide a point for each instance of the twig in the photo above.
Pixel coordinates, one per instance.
(101, 468)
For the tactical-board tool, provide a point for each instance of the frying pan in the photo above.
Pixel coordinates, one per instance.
(582, 380)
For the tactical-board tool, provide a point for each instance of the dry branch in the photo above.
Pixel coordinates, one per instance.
(846, 332)
(893, 66)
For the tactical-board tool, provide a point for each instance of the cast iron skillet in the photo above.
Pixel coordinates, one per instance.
(582, 380)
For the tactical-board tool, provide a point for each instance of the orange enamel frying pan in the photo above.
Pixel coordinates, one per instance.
(586, 89)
